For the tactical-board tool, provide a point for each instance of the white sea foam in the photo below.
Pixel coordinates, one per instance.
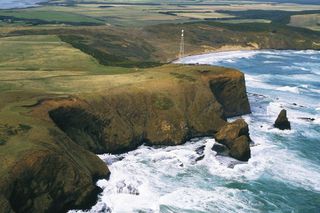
(289, 89)
(216, 57)
(270, 62)
(257, 82)
(220, 199)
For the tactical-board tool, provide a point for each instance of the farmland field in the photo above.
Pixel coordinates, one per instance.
(137, 13)
(43, 53)
(310, 21)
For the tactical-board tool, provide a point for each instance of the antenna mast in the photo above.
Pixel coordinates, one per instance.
(181, 53)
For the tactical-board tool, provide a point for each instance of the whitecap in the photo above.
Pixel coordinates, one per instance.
(270, 62)
(289, 89)
(212, 58)
(255, 81)
(220, 199)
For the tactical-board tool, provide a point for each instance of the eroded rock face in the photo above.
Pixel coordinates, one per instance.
(81, 126)
(240, 149)
(50, 173)
(220, 149)
(5, 205)
(168, 112)
(282, 121)
(232, 131)
(232, 96)
(235, 136)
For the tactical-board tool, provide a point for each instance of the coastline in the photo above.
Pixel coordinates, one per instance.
(235, 48)
(225, 48)
(90, 107)
(262, 156)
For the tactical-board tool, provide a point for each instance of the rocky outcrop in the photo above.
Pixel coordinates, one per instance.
(220, 149)
(166, 111)
(5, 205)
(282, 121)
(82, 126)
(240, 149)
(42, 170)
(47, 153)
(235, 136)
(232, 95)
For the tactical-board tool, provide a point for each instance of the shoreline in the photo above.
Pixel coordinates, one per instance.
(235, 49)
(225, 48)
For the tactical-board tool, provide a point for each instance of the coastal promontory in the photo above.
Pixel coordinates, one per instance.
(49, 141)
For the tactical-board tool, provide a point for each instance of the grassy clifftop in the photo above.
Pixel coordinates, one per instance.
(166, 105)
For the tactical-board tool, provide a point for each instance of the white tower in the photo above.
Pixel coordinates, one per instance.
(181, 54)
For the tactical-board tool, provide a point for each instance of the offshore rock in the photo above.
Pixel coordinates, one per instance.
(220, 149)
(240, 149)
(235, 136)
(282, 121)
(231, 131)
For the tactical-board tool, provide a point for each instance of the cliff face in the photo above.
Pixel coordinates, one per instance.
(47, 164)
(231, 94)
(162, 111)
(42, 170)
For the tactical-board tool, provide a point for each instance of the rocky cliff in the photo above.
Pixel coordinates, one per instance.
(42, 170)
(47, 147)
(182, 103)
(49, 174)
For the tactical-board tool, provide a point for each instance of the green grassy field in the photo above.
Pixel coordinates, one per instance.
(46, 53)
(309, 21)
(57, 16)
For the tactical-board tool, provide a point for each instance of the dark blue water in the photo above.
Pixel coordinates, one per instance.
(283, 174)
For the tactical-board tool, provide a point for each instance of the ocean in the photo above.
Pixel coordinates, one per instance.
(283, 174)
(9, 4)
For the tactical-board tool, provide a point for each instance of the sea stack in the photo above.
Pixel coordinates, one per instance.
(235, 136)
(282, 121)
